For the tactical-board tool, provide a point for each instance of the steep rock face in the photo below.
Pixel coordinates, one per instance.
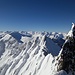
(66, 58)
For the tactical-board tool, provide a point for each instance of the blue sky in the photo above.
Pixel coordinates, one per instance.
(37, 15)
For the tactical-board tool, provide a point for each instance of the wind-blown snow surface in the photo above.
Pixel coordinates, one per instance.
(29, 53)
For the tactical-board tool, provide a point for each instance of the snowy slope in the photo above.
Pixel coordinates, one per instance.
(28, 53)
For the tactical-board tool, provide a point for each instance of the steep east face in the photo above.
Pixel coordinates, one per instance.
(66, 58)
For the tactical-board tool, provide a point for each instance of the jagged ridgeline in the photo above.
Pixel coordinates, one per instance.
(66, 57)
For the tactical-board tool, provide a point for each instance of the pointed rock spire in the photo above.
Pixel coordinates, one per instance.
(73, 26)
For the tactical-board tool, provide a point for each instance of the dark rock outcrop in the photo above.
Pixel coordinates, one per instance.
(66, 58)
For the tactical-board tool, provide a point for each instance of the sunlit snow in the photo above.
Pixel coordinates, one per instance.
(29, 53)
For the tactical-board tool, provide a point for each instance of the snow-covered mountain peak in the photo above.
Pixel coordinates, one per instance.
(29, 53)
(6, 37)
(73, 26)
